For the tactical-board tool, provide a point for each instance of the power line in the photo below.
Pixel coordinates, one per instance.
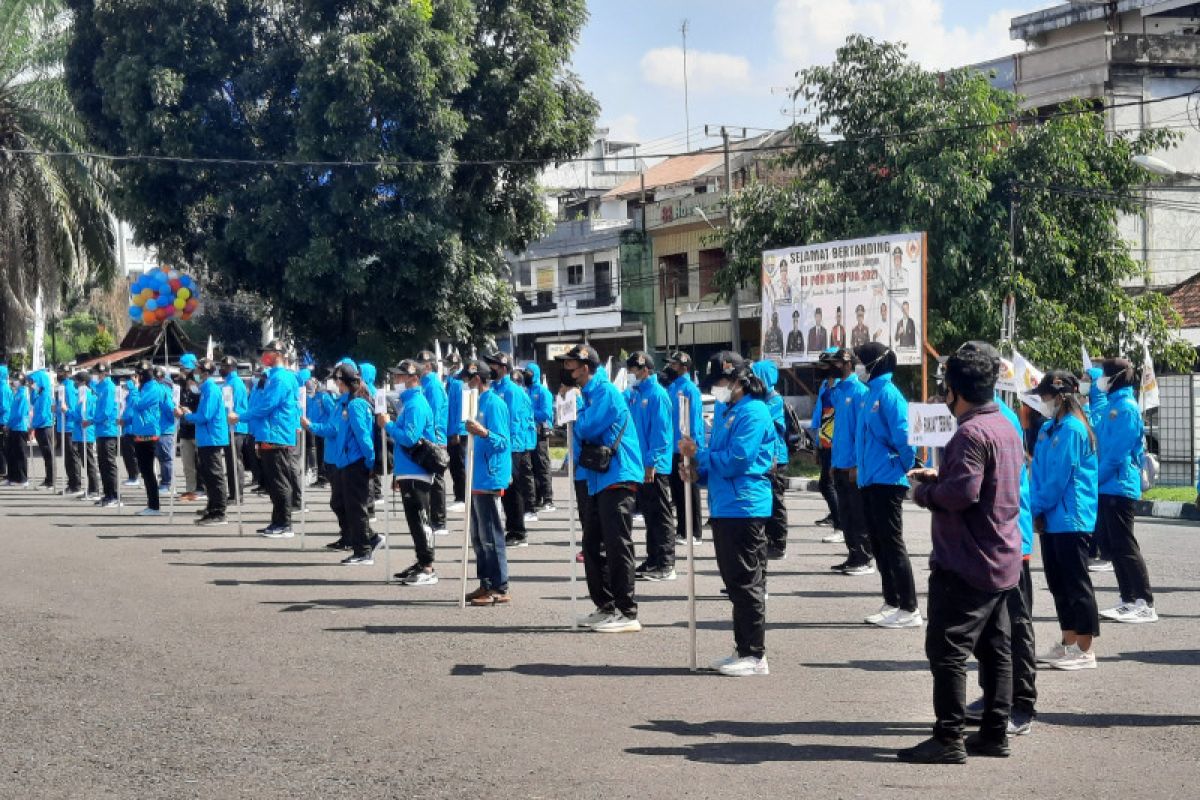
(515, 162)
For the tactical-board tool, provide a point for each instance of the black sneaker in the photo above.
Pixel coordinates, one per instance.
(337, 544)
(662, 574)
(642, 569)
(776, 553)
(201, 512)
(841, 567)
(215, 519)
(516, 541)
(977, 745)
(408, 573)
(826, 521)
(359, 559)
(931, 751)
(1021, 722)
(377, 541)
(268, 529)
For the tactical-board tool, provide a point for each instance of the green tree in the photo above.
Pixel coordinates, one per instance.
(957, 178)
(56, 235)
(103, 342)
(399, 252)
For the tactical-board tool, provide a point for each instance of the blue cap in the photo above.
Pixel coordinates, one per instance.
(187, 361)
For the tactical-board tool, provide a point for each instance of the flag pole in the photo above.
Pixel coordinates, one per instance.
(685, 429)
(470, 411)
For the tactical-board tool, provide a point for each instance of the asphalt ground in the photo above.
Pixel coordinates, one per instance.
(145, 658)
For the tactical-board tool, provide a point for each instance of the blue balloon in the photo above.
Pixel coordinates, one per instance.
(136, 288)
(135, 312)
(186, 280)
(151, 305)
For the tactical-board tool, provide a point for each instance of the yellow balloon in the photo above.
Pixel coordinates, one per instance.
(180, 303)
(139, 300)
(184, 293)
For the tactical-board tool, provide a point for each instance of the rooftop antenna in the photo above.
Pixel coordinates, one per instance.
(687, 114)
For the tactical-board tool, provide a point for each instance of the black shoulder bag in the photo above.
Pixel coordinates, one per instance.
(598, 457)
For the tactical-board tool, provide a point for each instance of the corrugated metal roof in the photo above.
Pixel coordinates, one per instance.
(680, 169)
(115, 357)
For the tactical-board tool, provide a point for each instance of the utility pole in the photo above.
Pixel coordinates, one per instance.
(735, 323)
(687, 114)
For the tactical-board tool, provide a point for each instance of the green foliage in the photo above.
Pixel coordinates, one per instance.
(56, 235)
(956, 183)
(341, 256)
(103, 342)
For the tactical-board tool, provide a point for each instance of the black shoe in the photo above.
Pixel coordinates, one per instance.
(931, 751)
(826, 521)
(337, 544)
(841, 567)
(208, 521)
(775, 553)
(642, 569)
(408, 573)
(268, 529)
(977, 745)
(974, 715)
(515, 541)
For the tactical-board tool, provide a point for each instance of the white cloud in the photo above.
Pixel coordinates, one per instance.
(706, 71)
(623, 128)
(808, 32)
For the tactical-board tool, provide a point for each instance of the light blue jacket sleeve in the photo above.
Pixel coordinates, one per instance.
(408, 429)
(361, 420)
(658, 446)
(210, 407)
(595, 426)
(273, 396)
(1055, 467)
(495, 419)
(740, 454)
(895, 409)
(1120, 437)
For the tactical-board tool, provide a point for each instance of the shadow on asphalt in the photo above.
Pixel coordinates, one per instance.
(571, 670)
(349, 603)
(1120, 720)
(775, 730)
(874, 665)
(764, 752)
(257, 564)
(503, 630)
(1165, 658)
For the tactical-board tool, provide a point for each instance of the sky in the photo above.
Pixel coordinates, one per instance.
(743, 55)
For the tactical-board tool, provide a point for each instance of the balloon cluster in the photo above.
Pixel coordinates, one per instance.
(162, 294)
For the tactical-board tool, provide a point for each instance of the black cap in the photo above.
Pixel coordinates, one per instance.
(639, 359)
(452, 358)
(101, 368)
(406, 367)
(426, 357)
(835, 355)
(1056, 381)
(725, 364)
(83, 376)
(475, 367)
(206, 365)
(499, 359)
(346, 372)
(681, 358)
(273, 346)
(581, 352)
(229, 361)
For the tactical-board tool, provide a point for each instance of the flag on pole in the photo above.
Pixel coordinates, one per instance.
(209, 352)
(1087, 360)
(608, 368)
(1026, 377)
(1149, 394)
(437, 352)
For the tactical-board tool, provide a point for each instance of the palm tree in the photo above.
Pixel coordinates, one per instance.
(56, 226)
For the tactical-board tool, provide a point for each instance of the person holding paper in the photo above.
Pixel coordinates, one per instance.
(128, 454)
(975, 566)
(349, 430)
(241, 397)
(1121, 447)
(66, 405)
(42, 401)
(276, 411)
(490, 475)
(168, 428)
(736, 466)
(17, 425)
(83, 431)
(210, 421)
(678, 377)
(543, 419)
(145, 419)
(651, 410)
(108, 435)
(367, 373)
(609, 448)
(523, 439)
(189, 400)
(415, 423)
(456, 432)
(845, 399)
(883, 458)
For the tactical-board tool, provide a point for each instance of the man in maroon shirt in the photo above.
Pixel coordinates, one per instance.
(975, 498)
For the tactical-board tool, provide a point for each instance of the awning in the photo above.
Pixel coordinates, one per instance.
(114, 357)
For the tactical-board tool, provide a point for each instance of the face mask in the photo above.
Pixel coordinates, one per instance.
(634, 380)
(270, 359)
(1104, 384)
(1085, 388)
(722, 394)
(861, 371)
(567, 378)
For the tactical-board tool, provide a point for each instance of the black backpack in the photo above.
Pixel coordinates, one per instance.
(793, 433)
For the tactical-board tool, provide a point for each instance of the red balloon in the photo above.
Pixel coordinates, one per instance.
(176, 285)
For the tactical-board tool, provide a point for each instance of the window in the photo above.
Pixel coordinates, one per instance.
(673, 276)
(602, 276)
(710, 262)
(575, 275)
(524, 273)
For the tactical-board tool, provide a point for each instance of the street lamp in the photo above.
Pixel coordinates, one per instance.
(1157, 166)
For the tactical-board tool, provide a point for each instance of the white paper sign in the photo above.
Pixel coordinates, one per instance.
(380, 402)
(565, 406)
(175, 392)
(470, 404)
(930, 424)
(227, 396)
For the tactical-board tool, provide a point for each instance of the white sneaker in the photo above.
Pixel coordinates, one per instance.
(531, 516)
(744, 667)
(902, 619)
(884, 611)
(421, 578)
(149, 512)
(721, 662)
(457, 508)
(617, 622)
(1118, 611)
(1056, 652)
(131, 484)
(549, 508)
(441, 532)
(1139, 612)
(638, 521)
(592, 618)
(1075, 659)
(837, 537)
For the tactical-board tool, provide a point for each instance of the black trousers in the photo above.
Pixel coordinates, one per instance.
(45, 442)
(582, 500)
(852, 518)
(1115, 518)
(87, 459)
(655, 501)
(1064, 558)
(415, 495)
(777, 523)
(276, 466)
(250, 460)
(377, 436)
(457, 448)
(129, 457)
(524, 481)
(883, 507)
(295, 477)
(349, 497)
(608, 561)
(234, 474)
(514, 499)
(741, 549)
(543, 486)
(678, 487)
(3, 450)
(827, 487)
(211, 464)
(338, 511)
(965, 620)
(15, 454)
(147, 457)
(1024, 659)
(319, 449)
(107, 451)
(72, 458)
(437, 501)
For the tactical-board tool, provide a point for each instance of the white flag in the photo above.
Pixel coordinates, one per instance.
(1087, 360)
(1149, 394)
(1026, 377)
(621, 381)
(608, 368)
(209, 352)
